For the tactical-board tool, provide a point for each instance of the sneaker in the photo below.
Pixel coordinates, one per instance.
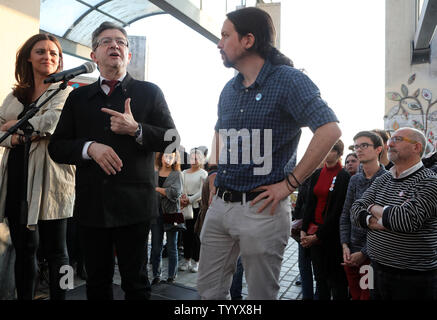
(156, 281)
(170, 280)
(194, 267)
(184, 266)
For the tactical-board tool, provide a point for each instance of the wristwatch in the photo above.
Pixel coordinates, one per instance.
(138, 132)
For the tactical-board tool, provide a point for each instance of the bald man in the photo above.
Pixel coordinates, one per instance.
(400, 211)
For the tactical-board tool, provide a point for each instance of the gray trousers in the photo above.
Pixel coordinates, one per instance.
(232, 229)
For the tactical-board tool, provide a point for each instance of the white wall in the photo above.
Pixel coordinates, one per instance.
(19, 20)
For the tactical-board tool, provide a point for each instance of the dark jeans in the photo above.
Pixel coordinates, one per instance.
(237, 281)
(191, 239)
(306, 273)
(99, 247)
(157, 229)
(329, 274)
(396, 284)
(50, 235)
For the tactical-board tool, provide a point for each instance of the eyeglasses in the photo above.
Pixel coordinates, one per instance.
(106, 42)
(362, 146)
(397, 139)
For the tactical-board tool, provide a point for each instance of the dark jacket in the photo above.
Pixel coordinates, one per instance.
(129, 196)
(204, 203)
(328, 232)
(302, 200)
(173, 190)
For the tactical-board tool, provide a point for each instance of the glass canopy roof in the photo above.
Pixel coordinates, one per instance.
(74, 20)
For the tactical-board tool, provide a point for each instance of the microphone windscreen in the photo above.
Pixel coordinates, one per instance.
(89, 66)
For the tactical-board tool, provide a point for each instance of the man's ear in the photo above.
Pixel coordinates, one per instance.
(380, 149)
(419, 147)
(249, 41)
(93, 56)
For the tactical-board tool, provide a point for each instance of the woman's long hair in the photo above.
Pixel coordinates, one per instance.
(176, 166)
(25, 85)
(259, 23)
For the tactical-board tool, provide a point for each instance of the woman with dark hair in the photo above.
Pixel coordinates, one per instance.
(320, 227)
(50, 186)
(169, 190)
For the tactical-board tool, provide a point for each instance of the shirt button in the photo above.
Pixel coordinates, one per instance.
(247, 90)
(241, 110)
(224, 171)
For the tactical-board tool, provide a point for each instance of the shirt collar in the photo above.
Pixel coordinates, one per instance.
(119, 79)
(265, 71)
(96, 87)
(361, 170)
(407, 172)
(337, 167)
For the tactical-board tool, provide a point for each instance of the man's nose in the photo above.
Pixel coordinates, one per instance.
(220, 44)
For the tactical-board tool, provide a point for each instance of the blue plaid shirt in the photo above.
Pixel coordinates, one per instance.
(261, 125)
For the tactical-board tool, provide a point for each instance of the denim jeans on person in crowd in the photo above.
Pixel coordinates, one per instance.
(157, 246)
(237, 282)
(306, 273)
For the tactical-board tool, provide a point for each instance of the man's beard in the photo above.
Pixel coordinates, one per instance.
(227, 63)
(392, 156)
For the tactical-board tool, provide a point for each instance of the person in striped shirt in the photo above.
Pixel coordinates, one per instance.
(400, 211)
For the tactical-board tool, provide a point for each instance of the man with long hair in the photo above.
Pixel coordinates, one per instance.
(262, 108)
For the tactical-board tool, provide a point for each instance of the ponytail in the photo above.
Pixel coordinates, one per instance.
(276, 57)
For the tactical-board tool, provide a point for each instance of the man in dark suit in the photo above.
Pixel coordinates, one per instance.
(110, 131)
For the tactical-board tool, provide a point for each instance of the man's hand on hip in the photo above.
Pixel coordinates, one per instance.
(122, 123)
(273, 194)
(106, 158)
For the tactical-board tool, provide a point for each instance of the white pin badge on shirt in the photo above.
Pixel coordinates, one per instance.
(258, 97)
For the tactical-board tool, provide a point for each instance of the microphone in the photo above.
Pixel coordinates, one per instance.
(87, 67)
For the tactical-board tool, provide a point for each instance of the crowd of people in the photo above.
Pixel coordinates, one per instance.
(340, 273)
(102, 154)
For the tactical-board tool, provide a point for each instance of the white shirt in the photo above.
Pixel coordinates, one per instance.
(193, 182)
(407, 172)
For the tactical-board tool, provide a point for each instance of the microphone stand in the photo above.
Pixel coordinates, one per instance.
(28, 129)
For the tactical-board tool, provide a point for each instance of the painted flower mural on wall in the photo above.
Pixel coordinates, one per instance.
(411, 112)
